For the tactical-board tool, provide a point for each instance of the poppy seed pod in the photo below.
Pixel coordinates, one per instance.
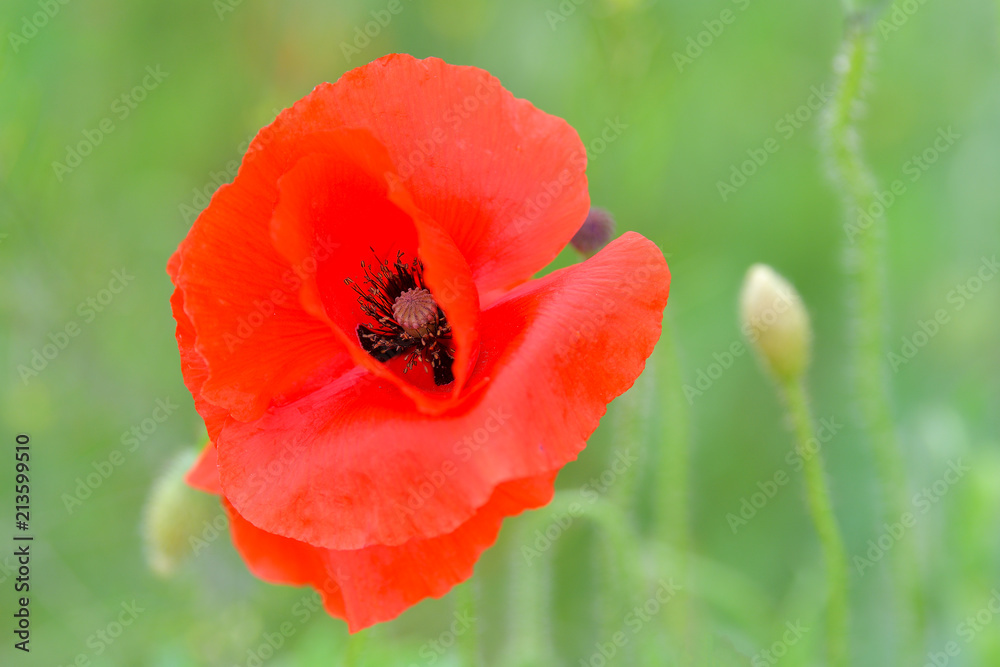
(775, 322)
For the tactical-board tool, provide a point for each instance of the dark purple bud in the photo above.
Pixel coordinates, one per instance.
(596, 232)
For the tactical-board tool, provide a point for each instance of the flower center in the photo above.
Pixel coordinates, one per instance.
(414, 309)
(405, 318)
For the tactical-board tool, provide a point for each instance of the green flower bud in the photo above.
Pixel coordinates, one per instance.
(173, 513)
(775, 322)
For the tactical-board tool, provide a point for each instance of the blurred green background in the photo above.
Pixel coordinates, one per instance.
(224, 68)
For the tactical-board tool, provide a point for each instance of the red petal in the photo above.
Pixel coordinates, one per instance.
(376, 584)
(504, 179)
(340, 199)
(336, 199)
(242, 296)
(354, 460)
(450, 280)
(490, 155)
(204, 474)
(194, 368)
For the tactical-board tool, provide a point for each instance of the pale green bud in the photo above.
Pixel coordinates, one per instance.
(173, 513)
(775, 322)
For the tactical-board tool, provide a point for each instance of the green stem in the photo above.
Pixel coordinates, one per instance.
(531, 594)
(821, 509)
(672, 487)
(868, 303)
(355, 647)
(466, 604)
(622, 542)
(622, 578)
(631, 432)
(530, 602)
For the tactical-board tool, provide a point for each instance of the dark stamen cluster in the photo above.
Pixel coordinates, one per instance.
(398, 292)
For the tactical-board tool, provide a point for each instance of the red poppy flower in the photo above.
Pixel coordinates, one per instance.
(382, 381)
